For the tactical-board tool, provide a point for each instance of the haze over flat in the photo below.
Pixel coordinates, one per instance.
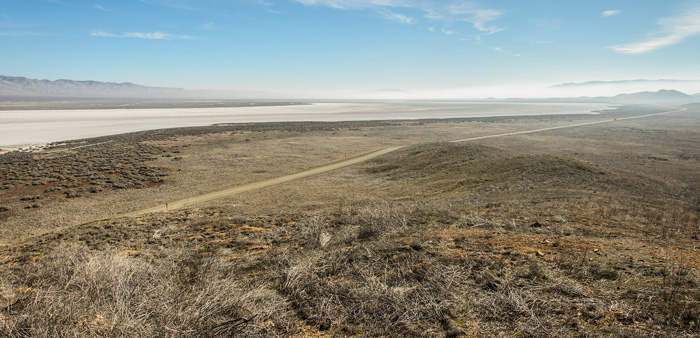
(25, 128)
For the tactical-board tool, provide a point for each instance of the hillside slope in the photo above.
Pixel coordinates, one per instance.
(468, 241)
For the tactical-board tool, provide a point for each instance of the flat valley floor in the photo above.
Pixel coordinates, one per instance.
(583, 231)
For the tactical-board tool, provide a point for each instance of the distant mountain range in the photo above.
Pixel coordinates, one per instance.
(661, 97)
(664, 82)
(24, 87)
(664, 96)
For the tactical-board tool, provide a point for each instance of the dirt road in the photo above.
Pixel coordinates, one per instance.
(262, 184)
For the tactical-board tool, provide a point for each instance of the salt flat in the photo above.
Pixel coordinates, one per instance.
(23, 128)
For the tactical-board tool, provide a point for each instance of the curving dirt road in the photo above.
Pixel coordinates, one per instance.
(262, 184)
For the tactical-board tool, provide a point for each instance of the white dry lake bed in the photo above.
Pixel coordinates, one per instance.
(25, 128)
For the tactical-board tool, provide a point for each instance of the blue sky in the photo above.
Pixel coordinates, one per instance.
(355, 48)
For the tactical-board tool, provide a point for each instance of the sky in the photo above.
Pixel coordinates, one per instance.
(359, 48)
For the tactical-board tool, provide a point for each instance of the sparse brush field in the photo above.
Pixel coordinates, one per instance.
(582, 232)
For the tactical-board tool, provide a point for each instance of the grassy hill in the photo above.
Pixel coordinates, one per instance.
(464, 240)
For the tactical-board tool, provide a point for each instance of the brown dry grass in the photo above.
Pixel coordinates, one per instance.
(505, 238)
(387, 269)
(201, 160)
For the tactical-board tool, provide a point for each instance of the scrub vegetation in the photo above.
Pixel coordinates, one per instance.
(538, 235)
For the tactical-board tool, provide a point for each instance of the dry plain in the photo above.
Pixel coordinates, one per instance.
(584, 231)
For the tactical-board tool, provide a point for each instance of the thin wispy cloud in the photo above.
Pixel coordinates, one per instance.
(674, 30)
(357, 4)
(150, 36)
(179, 4)
(607, 14)
(399, 17)
(268, 6)
(468, 11)
(480, 18)
(503, 51)
(107, 9)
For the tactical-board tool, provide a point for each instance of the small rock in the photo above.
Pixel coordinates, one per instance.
(536, 225)
(555, 244)
(539, 253)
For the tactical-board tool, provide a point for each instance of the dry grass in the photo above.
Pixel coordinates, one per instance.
(388, 269)
(435, 240)
(206, 159)
(83, 293)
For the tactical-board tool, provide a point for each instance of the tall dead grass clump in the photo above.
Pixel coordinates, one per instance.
(78, 293)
